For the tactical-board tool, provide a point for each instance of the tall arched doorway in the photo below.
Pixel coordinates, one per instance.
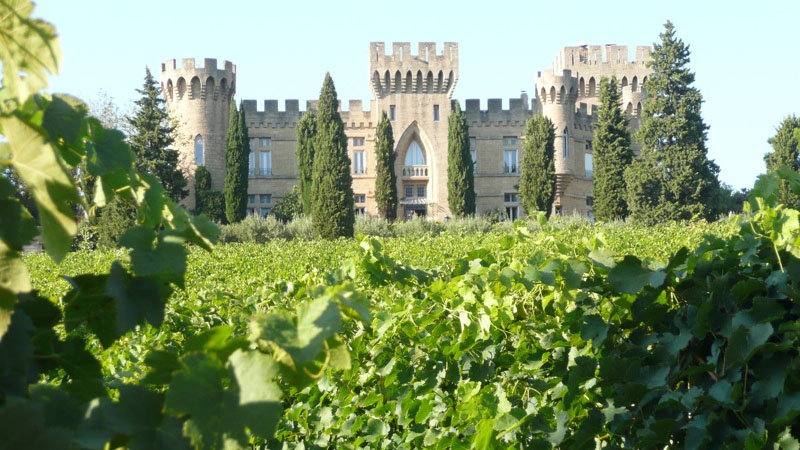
(414, 193)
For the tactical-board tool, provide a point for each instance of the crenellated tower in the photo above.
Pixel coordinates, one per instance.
(198, 98)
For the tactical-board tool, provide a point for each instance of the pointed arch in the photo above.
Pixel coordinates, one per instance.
(552, 94)
(644, 82)
(181, 88)
(450, 80)
(211, 89)
(543, 95)
(414, 155)
(440, 81)
(629, 109)
(635, 84)
(398, 82)
(223, 87)
(562, 95)
(387, 82)
(639, 109)
(376, 82)
(194, 93)
(419, 81)
(409, 82)
(170, 90)
(413, 132)
(592, 87)
(624, 82)
(429, 82)
(581, 87)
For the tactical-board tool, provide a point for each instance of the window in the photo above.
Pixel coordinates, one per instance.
(414, 156)
(559, 209)
(588, 164)
(252, 143)
(590, 201)
(360, 210)
(509, 161)
(421, 190)
(510, 197)
(589, 145)
(360, 198)
(251, 199)
(509, 142)
(264, 211)
(251, 212)
(266, 142)
(474, 160)
(265, 199)
(435, 113)
(199, 153)
(265, 163)
(512, 212)
(391, 112)
(409, 191)
(473, 142)
(566, 143)
(358, 162)
(252, 163)
(358, 142)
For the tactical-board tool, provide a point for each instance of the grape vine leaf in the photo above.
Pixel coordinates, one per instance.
(629, 276)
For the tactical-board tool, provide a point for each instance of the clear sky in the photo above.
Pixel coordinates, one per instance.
(745, 54)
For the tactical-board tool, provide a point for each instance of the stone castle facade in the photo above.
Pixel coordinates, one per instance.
(416, 91)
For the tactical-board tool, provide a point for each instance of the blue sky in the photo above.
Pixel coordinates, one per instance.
(744, 53)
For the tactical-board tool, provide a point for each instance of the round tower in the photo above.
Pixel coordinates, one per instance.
(198, 99)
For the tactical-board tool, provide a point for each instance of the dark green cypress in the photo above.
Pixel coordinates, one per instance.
(460, 177)
(673, 179)
(612, 154)
(151, 139)
(785, 154)
(537, 183)
(332, 211)
(385, 177)
(236, 168)
(306, 134)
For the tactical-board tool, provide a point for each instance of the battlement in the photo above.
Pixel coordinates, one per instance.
(519, 110)
(556, 86)
(592, 55)
(271, 116)
(188, 81)
(402, 72)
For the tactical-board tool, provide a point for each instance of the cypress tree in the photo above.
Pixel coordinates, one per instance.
(460, 177)
(674, 179)
(236, 168)
(151, 138)
(332, 213)
(785, 153)
(385, 177)
(306, 134)
(537, 183)
(612, 154)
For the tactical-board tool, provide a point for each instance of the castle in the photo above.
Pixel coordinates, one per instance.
(416, 93)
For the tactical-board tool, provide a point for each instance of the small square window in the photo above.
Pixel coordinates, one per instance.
(266, 142)
(360, 198)
(409, 191)
(421, 190)
(251, 198)
(589, 201)
(435, 113)
(509, 141)
(358, 142)
(512, 212)
(266, 199)
(510, 197)
(391, 112)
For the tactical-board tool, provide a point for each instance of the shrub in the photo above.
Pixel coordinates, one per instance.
(253, 229)
(300, 228)
(373, 226)
(468, 225)
(418, 227)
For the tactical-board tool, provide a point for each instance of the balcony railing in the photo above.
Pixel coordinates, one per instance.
(415, 171)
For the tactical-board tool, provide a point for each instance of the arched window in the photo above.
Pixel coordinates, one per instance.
(398, 82)
(210, 88)
(566, 143)
(196, 88)
(199, 151)
(376, 81)
(582, 88)
(429, 83)
(629, 109)
(409, 82)
(170, 88)
(552, 94)
(639, 110)
(635, 84)
(440, 82)
(591, 87)
(419, 81)
(181, 88)
(387, 82)
(414, 155)
(562, 95)
(624, 81)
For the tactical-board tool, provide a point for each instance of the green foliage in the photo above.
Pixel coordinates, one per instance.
(289, 207)
(332, 211)
(237, 165)
(612, 154)
(785, 153)
(216, 390)
(253, 229)
(673, 178)
(306, 136)
(208, 202)
(537, 183)
(151, 139)
(113, 220)
(460, 177)
(385, 177)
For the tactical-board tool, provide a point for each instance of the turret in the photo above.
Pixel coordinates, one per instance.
(198, 98)
(403, 73)
(556, 95)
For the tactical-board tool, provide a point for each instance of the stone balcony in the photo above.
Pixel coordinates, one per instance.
(415, 171)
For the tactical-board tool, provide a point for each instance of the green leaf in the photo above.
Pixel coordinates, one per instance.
(38, 164)
(13, 280)
(17, 227)
(163, 258)
(744, 341)
(22, 426)
(29, 49)
(259, 396)
(484, 432)
(557, 436)
(787, 442)
(629, 276)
